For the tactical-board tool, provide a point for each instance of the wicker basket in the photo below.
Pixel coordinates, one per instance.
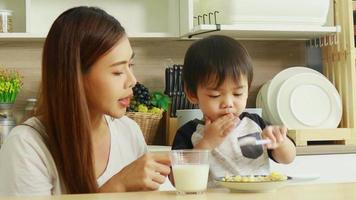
(148, 123)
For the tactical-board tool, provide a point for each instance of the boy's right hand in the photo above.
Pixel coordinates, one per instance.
(215, 132)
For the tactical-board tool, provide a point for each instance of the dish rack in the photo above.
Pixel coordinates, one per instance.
(338, 57)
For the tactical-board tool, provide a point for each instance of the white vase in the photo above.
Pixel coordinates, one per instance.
(7, 122)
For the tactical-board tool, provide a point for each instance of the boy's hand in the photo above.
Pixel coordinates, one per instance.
(276, 134)
(215, 132)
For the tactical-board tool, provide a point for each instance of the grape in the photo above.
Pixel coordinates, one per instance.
(141, 95)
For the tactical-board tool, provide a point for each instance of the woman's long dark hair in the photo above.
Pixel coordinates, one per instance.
(77, 38)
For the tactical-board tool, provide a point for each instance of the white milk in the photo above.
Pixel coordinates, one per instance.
(191, 178)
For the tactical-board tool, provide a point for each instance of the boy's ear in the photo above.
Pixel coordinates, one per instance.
(190, 96)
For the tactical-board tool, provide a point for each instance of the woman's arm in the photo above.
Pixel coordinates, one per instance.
(146, 173)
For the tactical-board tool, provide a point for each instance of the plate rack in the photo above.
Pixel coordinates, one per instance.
(338, 57)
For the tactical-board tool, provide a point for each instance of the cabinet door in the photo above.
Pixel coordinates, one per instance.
(141, 18)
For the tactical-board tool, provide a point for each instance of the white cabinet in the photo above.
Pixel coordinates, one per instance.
(147, 18)
(153, 18)
(191, 9)
(19, 14)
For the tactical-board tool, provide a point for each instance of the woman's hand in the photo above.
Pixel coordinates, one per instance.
(215, 132)
(146, 173)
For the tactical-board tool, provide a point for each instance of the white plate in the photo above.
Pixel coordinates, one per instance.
(309, 100)
(263, 102)
(253, 186)
(274, 87)
(258, 99)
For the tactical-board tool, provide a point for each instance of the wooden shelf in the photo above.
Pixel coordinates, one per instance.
(326, 149)
(275, 32)
(342, 136)
(21, 37)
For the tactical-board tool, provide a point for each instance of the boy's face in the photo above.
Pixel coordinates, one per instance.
(228, 98)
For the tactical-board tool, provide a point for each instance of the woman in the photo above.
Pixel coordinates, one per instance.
(74, 144)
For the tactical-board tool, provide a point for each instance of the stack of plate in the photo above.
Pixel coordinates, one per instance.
(300, 98)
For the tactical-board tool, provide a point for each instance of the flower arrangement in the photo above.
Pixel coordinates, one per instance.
(144, 101)
(10, 85)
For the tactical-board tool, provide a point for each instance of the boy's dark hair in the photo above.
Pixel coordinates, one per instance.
(215, 58)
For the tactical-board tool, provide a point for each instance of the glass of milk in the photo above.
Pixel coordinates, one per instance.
(190, 170)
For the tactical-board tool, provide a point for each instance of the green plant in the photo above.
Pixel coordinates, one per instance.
(144, 101)
(10, 85)
(160, 100)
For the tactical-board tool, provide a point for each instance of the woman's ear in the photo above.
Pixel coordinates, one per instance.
(190, 96)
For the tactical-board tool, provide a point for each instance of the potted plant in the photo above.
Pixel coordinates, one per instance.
(146, 109)
(10, 86)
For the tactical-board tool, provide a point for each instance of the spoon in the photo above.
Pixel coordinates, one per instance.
(252, 141)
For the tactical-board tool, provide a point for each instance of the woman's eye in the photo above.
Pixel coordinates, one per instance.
(237, 95)
(131, 65)
(117, 73)
(214, 96)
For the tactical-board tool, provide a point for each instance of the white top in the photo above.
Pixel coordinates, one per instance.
(229, 158)
(28, 168)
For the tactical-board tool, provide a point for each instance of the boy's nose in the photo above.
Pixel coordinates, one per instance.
(227, 103)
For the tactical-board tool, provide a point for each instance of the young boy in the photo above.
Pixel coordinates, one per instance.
(217, 75)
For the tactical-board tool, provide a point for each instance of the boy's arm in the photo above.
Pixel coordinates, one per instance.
(283, 149)
(285, 152)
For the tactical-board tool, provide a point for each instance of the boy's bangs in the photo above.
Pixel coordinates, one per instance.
(217, 78)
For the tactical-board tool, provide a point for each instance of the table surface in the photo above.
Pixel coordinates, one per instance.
(330, 191)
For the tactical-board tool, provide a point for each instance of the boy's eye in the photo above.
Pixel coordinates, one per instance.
(237, 95)
(213, 96)
(131, 65)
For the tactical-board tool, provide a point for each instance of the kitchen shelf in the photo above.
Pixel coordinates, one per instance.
(275, 32)
(248, 31)
(42, 36)
(326, 149)
(305, 137)
(21, 37)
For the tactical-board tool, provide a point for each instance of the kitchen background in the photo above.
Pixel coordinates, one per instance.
(154, 47)
(161, 41)
(152, 56)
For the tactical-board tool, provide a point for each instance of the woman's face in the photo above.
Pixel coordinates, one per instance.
(108, 84)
